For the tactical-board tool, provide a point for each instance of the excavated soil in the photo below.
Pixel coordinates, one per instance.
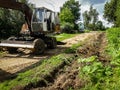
(11, 64)
(67, 77)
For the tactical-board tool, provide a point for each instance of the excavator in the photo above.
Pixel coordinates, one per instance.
(36, 31)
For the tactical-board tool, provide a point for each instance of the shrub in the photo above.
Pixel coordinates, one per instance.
(67, 27)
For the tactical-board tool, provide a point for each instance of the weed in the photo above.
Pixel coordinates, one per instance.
(64, 36)
(98, 76)
(73, 48)
(2, 53)
(93, 72)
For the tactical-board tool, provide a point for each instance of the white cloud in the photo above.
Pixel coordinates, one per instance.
(51, 4)
(85, 5)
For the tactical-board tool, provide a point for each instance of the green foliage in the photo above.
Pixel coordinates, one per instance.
(114, 45)
(91, 18)
(86, 18)
(73, 48)
(94, 73)
(72, 7)
(87, 31)
(66, 15)
(67, 28)
(11, 21)
(64, 36)
(101, 76)
(100, 26)
(2, 53)
(111, 12)
(117, 14)
(67, 19)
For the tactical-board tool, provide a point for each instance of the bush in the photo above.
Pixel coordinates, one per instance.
(87, 31)
(67, 27)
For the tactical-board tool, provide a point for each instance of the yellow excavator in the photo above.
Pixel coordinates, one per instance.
(35, 32)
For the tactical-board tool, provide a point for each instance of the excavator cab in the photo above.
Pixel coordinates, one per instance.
(40, 22)
(43, 20)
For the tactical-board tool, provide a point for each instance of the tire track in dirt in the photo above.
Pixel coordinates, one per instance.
(68, 77)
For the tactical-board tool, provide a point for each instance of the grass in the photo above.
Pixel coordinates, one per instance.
(36, 74)
(73, 48)
(2, 53)
(64, 36)
(100, 76)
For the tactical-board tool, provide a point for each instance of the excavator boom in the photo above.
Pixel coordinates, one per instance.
(13, 4)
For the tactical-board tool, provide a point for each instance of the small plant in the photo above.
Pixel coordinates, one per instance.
(73, 48)
(64, 36)
(67, 27)
(100, 76)
(2, 53)
(87, 31)
(93, 72)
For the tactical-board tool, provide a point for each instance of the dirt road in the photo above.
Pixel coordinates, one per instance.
(67, 78)
(14, 63)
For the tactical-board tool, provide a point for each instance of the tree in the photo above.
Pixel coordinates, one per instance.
(66, 16)
(117, 14)
(67, 20)
(74, 7)
(87, 19)
(111, 12)
(99, 25)
(90, 18)
(11, 21)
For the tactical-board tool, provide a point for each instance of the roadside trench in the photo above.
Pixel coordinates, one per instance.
(66, 77)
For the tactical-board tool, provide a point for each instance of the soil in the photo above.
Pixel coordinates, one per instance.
(67, 77)
(11, 64)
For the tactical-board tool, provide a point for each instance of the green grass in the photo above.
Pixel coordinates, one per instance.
(64, 36)
(2, 53)
(73, 48)
(97, 76)
(36, 74)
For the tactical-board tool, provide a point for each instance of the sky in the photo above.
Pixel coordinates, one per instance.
(85, 5)
(51, 4)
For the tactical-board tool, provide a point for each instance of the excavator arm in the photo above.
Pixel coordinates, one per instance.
(13, 4)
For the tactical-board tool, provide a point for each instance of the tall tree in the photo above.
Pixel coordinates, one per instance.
(86, 18)
(117, 14)
(100, 26)
(11, 21)
(66, 15)
(111, 11)
(90, 18)
(74, 7)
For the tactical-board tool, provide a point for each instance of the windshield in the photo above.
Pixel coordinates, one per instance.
(38, 15)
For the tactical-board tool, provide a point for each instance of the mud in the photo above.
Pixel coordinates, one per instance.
(67, 77)
(12, 64)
